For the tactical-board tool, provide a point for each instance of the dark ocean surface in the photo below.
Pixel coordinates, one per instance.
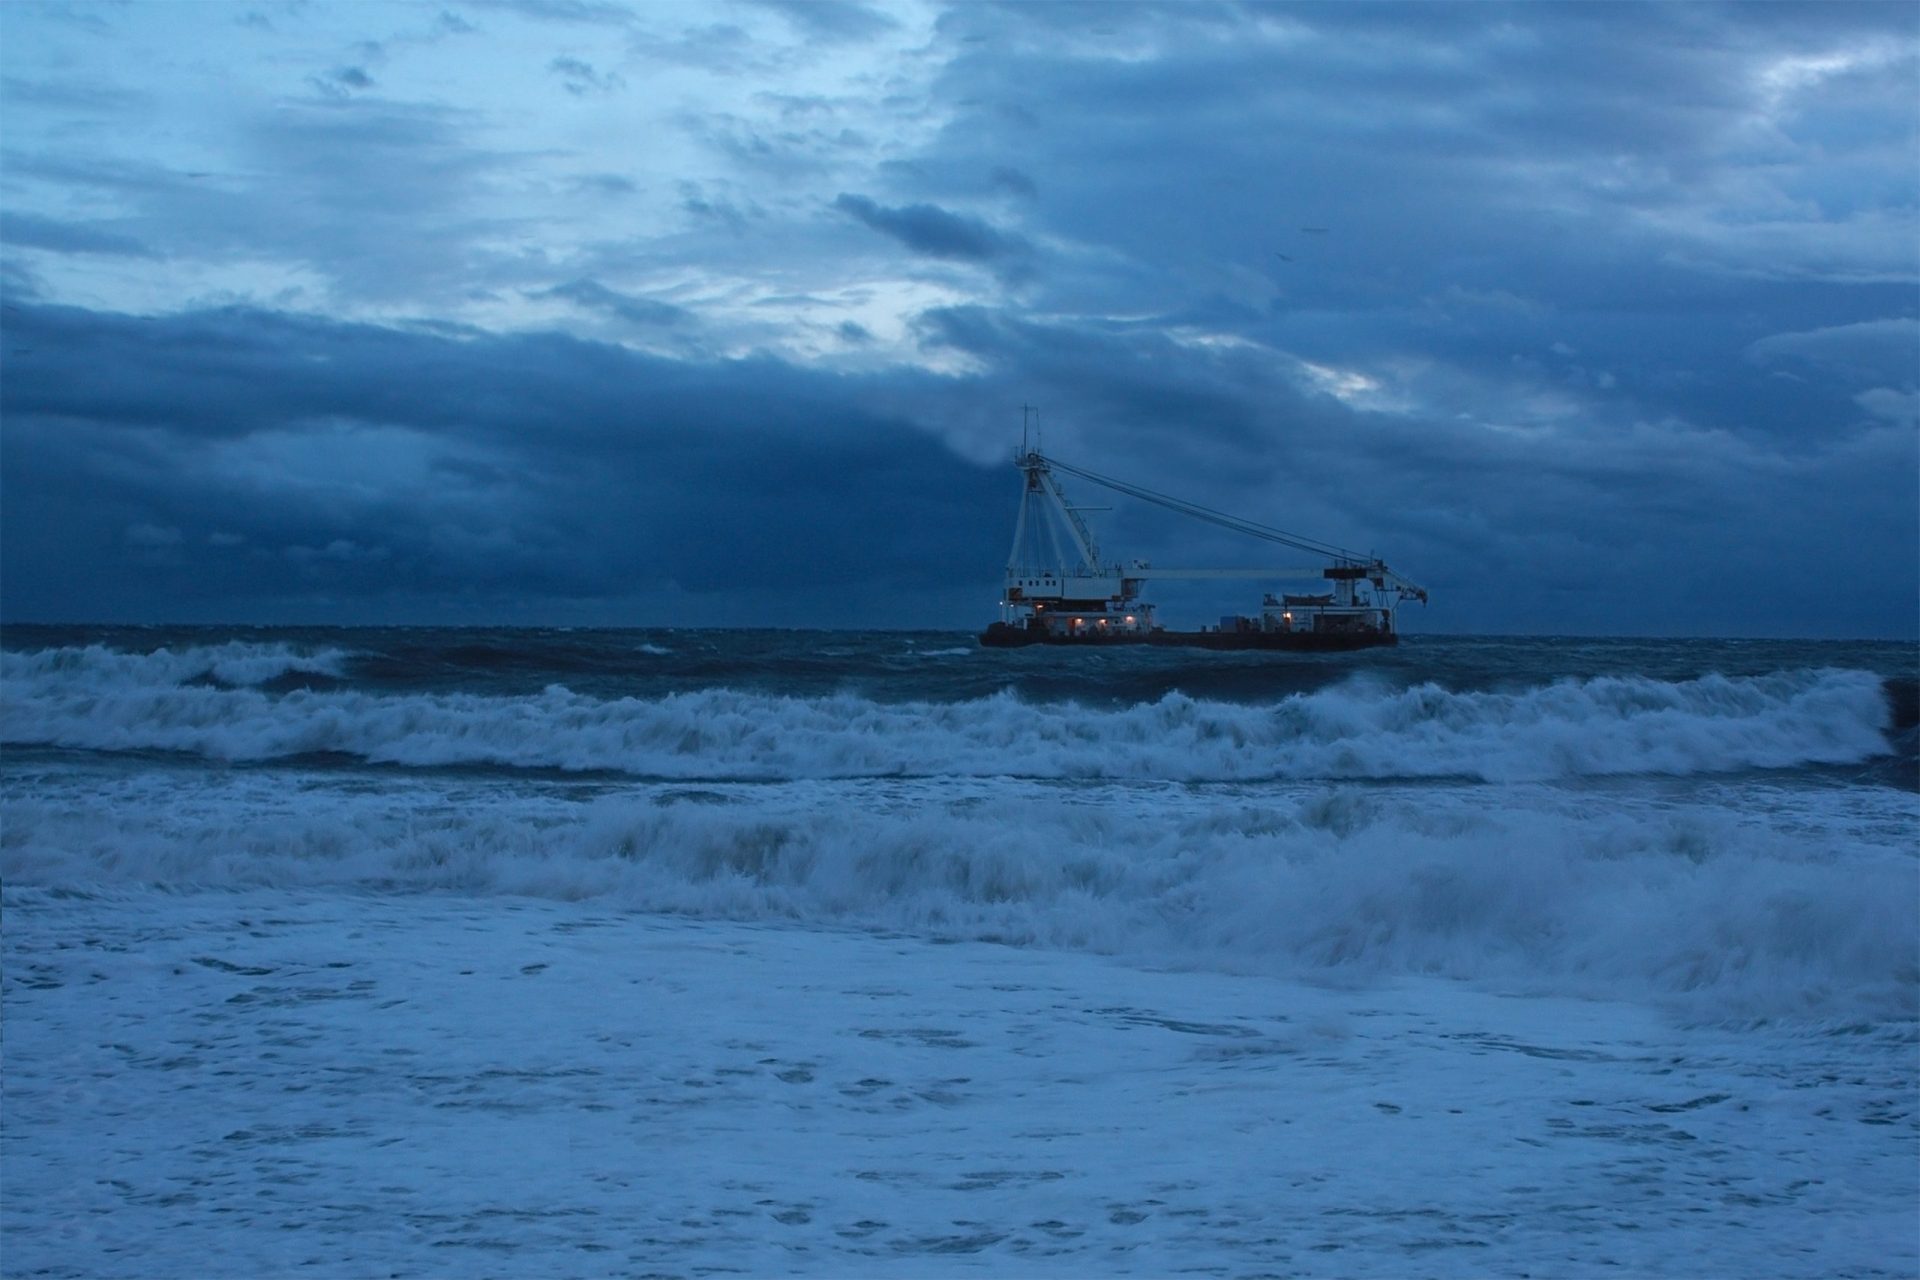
(896, 666)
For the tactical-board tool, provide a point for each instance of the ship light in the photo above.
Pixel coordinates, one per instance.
(1129, 617)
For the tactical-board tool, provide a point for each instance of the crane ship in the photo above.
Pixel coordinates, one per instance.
(1060, 591)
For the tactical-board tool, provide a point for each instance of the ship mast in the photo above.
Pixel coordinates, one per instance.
(1043, 491)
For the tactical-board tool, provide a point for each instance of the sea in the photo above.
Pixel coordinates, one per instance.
(460, 952)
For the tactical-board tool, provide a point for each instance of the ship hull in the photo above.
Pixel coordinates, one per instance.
(1002, 636)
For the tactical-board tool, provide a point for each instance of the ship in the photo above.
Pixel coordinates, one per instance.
(1060, 591)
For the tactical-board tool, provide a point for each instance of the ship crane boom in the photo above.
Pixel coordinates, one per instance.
(1382, 577)
(1252, 528)
(1263, 575)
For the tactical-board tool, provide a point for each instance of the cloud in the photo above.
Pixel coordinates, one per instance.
(147, 535)
(723, 212)
(398, 470)
(74, 95)
(584, 12)
(637, 311)
(933, 231)
(343, 81)
(1884, 350)
(467, 474)
(605, 184)
(1899, 407)
(579, 78)
(1007, 178)
(832, 19)
(358, 199)
(24, 230)
(1590, 317)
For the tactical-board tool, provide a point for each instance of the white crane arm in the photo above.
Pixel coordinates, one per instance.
(1272, 574)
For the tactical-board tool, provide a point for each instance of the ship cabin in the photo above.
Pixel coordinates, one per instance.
(1069, 607)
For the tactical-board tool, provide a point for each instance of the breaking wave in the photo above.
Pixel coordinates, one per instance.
(95, 669)
(241, 702)
(1723, 915)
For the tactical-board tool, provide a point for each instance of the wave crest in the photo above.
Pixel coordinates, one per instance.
(221, 703)
(96, 670)
(1717, 913)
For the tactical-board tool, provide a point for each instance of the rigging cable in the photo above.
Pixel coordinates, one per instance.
(1221, 518)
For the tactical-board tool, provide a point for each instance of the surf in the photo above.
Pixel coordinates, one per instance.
(258, 703)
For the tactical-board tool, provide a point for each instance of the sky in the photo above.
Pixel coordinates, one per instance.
(1590, 319)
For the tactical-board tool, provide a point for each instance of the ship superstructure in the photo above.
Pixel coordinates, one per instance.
(1059, 589)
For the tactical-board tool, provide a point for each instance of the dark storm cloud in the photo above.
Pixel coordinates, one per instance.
(1553, 120)
(927, 229)
(246, 457)
(1620, 525)
(298, 467)
(1489, 188)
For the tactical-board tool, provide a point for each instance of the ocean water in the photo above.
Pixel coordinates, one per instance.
(343, 952)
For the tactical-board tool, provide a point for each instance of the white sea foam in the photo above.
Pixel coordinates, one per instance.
(282, 1083)
(1729, 915)
(95, 698)
(94, 670)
